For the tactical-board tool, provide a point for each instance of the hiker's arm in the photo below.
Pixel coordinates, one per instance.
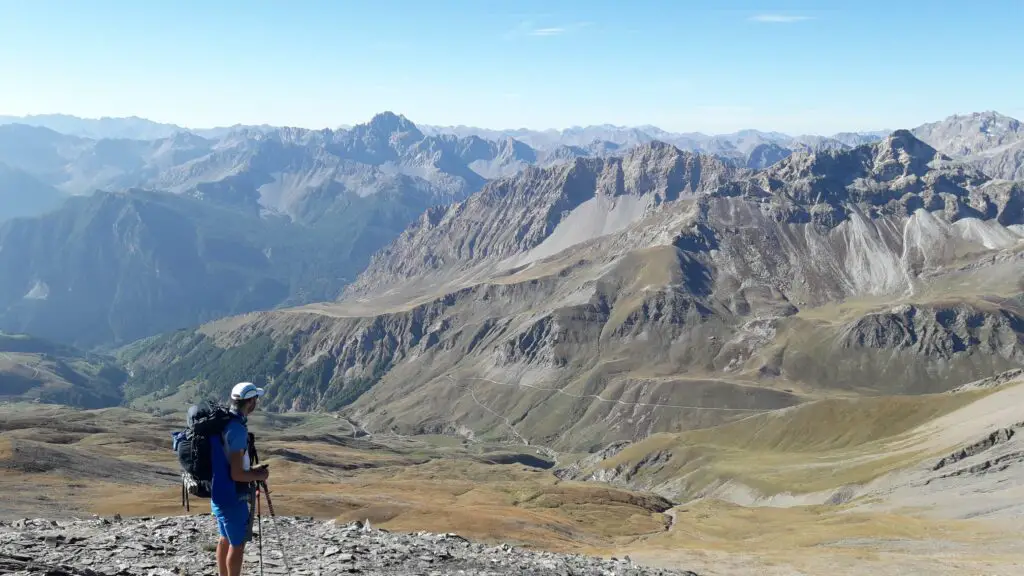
(239, 474)
(237, 440)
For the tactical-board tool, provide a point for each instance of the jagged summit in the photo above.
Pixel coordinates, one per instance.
(512, 149)
(897, 175)
(906, 141)
(390, 122)
(988, 121)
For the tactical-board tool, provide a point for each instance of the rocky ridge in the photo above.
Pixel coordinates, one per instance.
(987, 140)
(552, 209)
(183, 545)
(895, 177)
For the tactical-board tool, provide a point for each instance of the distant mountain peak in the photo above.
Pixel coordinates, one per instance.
(391, 123)
(655, 145)
(765, 155)
(992, 121)
(970, 134)
(902, 148)
(186, 138)
(515, 150)
(905, 140)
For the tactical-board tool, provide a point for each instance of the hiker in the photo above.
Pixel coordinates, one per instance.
(234, 480)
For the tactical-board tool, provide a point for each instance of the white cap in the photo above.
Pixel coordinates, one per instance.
(246, 390)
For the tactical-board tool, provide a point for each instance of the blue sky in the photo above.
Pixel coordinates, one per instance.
(798, 67)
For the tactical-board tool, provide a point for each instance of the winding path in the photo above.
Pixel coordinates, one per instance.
(495, 414)
(620, 402)
(35, 371)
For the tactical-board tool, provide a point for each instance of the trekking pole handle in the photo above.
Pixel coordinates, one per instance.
(251, 448)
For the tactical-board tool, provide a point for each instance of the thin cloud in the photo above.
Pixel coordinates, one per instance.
(529, 28)
(779, 18)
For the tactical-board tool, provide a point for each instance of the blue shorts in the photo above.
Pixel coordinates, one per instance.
(233, 522)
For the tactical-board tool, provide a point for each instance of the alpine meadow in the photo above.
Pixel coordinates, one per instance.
(558, 290)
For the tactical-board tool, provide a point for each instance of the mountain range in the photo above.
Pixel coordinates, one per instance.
(209, 228)
(115, 239)
(286, 166)
(130, 128)
(738, 146)
(607, 299)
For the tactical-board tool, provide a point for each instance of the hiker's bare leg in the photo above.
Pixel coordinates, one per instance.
(222, 556)
(235, 554)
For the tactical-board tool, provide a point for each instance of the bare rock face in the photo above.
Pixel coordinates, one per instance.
(517, 221)
(969, 134)
(895, 176)
(1005, 162)
(184, 545)
(588, 197)
(940, 332)
(989, 141)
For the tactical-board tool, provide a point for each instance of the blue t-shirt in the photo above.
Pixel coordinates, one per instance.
(223, 491)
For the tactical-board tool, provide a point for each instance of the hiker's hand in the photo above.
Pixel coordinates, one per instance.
(263, 471)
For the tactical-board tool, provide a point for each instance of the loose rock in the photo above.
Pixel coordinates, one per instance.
(179, 546)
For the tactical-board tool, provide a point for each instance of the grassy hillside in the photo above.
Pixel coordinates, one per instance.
(816, 447)
(34, 369)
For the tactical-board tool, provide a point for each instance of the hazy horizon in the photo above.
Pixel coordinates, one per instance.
(420, 124)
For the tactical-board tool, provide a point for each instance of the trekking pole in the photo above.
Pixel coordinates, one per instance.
(259, 520)
(262, 484)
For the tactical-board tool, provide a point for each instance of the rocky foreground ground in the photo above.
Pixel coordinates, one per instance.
(182, 545)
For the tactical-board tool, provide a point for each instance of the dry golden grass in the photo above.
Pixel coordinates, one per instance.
(716, 538)
(637, 272)
(411, 490)
(525, 508)
(812, 447)
(399, 490)
(723, 526)
(834, 423)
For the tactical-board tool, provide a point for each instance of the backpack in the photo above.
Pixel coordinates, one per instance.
(192, 446)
